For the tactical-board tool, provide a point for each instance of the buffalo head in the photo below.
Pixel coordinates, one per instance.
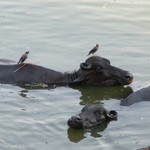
(98, 71)
(92, 115)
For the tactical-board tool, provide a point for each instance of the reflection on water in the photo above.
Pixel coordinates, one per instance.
(23, 93)
(76, 135)
(90, 95)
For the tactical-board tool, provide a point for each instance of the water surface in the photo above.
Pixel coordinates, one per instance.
(59, 35)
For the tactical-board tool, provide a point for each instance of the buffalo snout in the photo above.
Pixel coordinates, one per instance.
(129, 77)
(75, 122)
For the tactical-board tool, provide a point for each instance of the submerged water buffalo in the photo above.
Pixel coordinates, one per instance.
(138, 96)
(94, 71)
(92, 115)
(146, 148)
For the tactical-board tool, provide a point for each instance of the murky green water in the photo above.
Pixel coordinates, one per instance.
(59, 35)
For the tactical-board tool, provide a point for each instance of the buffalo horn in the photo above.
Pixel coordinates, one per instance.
(112, 115)
(85, 66)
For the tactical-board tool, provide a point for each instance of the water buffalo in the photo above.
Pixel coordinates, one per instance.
(94, 71)
(146, 148)
(138, 96)
(90, 116)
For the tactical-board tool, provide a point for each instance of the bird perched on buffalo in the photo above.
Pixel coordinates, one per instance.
(93, 50)
(23, 57)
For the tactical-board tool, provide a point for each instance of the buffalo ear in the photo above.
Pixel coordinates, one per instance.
(85, 66)
(112, 115)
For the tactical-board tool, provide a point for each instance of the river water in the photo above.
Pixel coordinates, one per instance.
(59, 34)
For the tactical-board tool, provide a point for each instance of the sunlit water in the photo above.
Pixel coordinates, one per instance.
(59, 35)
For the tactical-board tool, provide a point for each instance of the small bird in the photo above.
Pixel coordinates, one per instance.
(93, 50)
(23, 57)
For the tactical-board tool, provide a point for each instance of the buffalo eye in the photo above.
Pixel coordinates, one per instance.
(99, 68)
(98, 113)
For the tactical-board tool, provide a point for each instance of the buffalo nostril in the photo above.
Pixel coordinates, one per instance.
(129, 76)
(75, 118)
(78, 118)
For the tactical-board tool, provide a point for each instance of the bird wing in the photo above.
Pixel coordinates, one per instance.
(91, 51)
(23, 58)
